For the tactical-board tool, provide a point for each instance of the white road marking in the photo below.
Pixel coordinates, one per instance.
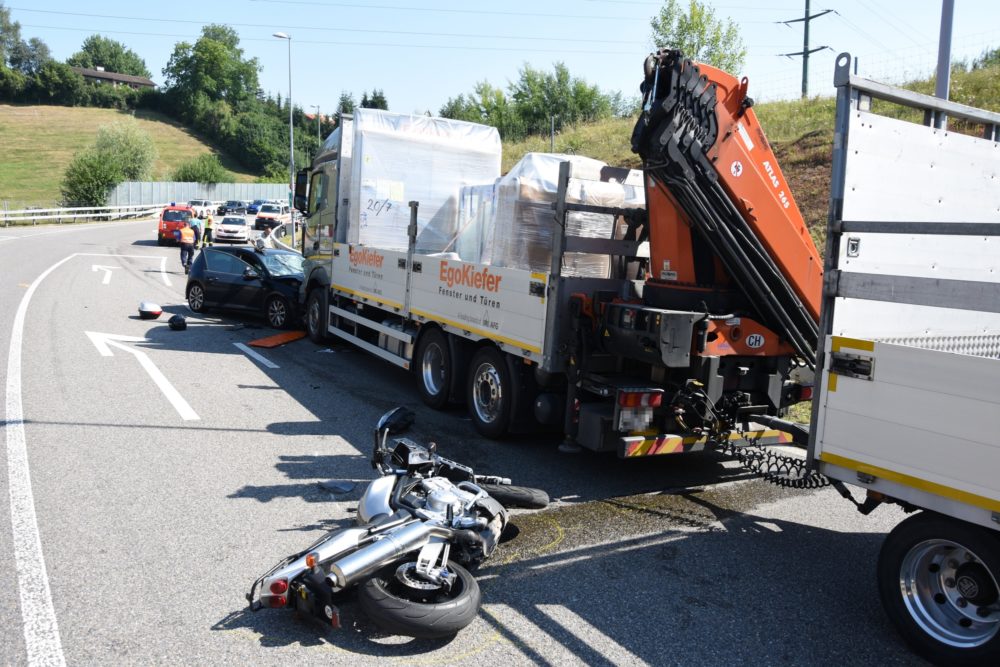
(41, 632)
(107, 272)
(264, 361)
(163, 272)
(75, 228)
(589, 635)
(104, 342)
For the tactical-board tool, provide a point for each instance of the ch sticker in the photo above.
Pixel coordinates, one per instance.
(755, 341)
(736, 169)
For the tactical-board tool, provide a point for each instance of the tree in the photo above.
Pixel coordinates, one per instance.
(10, 35)
(213, 66)
(699, 35)
(56, 83)
(129, 146)
(205, 168)
(376, 101)
(346, 102)
(113, 56)
(541, 96)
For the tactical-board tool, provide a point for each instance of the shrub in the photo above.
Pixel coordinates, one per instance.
(89, 178)
(129, 147)
(205, 168)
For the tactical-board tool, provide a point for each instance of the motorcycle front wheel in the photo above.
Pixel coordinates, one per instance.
(401, 603)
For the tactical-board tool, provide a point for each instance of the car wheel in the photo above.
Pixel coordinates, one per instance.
(277, 312)
(196, 298)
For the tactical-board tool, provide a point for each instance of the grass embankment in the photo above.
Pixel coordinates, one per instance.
(39, 142)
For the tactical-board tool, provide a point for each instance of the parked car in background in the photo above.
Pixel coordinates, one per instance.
(201, 207)
(246, 279)
(233, 206)
(255, 205)
(172, 218)
(271, 215)
(233, 229)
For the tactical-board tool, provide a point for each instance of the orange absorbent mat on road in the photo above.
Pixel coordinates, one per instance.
(278, 339)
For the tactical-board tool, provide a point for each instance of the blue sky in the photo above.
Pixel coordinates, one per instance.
(421, 52)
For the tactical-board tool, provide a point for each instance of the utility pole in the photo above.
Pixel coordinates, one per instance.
(805, 45)
(943, 82)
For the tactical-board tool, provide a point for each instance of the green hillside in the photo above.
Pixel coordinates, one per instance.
(39, 141)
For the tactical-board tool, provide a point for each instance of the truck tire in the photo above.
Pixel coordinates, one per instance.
(517, 496)
(489, 392)
(317, 315)
(938, 579)
(433, 365)
(402, 610)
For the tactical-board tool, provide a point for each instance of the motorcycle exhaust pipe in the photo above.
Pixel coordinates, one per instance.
(366, 561)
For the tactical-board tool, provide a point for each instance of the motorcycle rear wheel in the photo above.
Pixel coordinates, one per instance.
(402, 610)
(517, 496)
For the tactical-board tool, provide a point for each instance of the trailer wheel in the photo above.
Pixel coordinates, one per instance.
(433, 367)
(489, 392)
(938, 580)
(317, 314)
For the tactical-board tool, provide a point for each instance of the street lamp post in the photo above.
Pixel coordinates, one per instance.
(318, 138)
(291, 131)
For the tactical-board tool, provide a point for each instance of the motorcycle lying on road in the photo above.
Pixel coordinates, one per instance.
(422, 524)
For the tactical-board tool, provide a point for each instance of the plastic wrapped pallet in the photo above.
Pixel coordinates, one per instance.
(522, 230)
(399, 158)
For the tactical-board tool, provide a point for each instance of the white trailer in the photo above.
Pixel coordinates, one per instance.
(909, 373)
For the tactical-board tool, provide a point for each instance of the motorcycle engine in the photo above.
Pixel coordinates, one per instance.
(460, 509)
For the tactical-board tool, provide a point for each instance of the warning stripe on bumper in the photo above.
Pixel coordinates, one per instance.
(632, 446)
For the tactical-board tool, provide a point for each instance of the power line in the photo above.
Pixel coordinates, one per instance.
(893, 22)
(270, 26)
(452, 47)
(806, 51)
(477, 12)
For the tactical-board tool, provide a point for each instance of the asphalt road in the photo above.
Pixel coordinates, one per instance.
(152, 525)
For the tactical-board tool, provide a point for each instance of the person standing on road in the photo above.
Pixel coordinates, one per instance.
(196, 226)
(187, 240)
(207, 238)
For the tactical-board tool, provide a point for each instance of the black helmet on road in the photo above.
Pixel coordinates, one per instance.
(177, 323)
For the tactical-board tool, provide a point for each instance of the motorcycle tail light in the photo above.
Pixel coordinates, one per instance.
(279, 586)
(277, 602)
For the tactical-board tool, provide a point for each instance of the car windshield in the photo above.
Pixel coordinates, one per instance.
(268, 208)
(234, 203)
(234, 221)
(258, 202)
(283, 264)
(176, 216)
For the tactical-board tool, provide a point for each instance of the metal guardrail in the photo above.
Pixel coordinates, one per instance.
(35, 215)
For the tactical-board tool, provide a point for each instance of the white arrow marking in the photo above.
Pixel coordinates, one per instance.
(107, 272)
(104, 342)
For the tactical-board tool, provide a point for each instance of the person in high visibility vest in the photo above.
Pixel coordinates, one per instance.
(187, 240)
(206, 238)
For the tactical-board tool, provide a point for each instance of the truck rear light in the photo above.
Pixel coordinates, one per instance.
(635, 408)
(637, 399)
(806, 392)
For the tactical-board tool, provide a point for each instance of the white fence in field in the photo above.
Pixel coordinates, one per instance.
(34, 216)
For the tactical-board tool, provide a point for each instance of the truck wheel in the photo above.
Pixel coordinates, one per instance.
(433, 367)
(317, 315)
(938, 580)
(489, 392)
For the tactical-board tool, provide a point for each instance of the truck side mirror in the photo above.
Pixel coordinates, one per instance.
(301, 187)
